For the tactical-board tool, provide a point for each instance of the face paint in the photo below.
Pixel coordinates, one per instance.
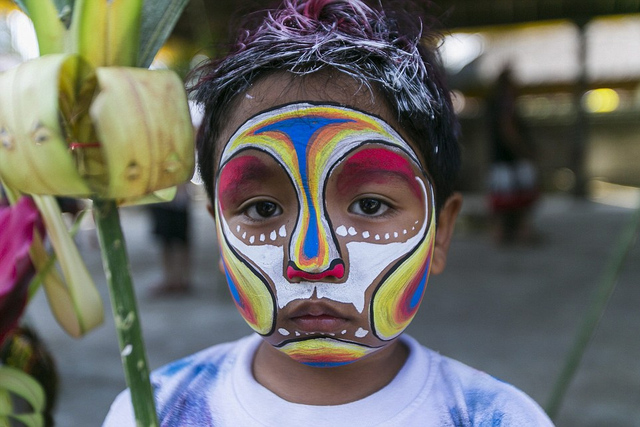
(326, 226)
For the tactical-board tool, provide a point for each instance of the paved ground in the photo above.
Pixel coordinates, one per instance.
(512, 312)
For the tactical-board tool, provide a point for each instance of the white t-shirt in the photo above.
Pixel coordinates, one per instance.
(215, 387)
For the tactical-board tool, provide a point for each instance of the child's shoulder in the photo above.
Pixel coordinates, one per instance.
(208, 363)
(473, 397)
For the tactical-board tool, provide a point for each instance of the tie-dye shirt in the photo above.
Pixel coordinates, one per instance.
(215, 387)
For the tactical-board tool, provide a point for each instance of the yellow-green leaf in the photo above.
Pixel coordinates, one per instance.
(107, 32)
(35, 156)
(160, 196)
(19, 383)
(77, 306)
(142, 120)
(50, 30)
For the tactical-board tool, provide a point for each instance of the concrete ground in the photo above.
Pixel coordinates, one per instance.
(510, 311)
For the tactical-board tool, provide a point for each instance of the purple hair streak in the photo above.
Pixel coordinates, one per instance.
(382, 49)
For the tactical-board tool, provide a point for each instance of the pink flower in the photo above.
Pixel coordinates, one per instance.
(17, 225)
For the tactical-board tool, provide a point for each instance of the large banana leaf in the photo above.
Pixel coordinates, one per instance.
(142, 119)
(118, 132)
(34, 155)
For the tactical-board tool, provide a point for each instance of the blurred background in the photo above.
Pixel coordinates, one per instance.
(510, 309)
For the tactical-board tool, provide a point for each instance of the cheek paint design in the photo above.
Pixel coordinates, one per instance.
(251, 294)
(396, 301)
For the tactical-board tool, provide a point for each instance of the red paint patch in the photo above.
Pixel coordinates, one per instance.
(377, 165)
(337, 272)
(239, 176)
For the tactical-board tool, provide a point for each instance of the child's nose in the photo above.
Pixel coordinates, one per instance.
(313, 254)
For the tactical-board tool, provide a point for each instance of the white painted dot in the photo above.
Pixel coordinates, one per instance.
(404, 231)
(297, 333)
(417, 221)
(377, 237)
(413, 228)
(252, 239)
(365, 234)
(273, 235)
(282, 232)
(386, 236)
(341, 231)
(395, 234)
(263, 237)
(283, 331)
(361, 333)
(238, 229)
(344, 332)
(244, 235)
(352, 231)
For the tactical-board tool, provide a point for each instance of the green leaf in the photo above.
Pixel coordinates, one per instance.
(34, 154)
(33, 141)
(159, 17)
(150, 108)
(19, 383)
(106, 32)
(50, 30)
(78, 306)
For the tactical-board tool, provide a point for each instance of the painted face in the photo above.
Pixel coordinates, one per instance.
(326, 226)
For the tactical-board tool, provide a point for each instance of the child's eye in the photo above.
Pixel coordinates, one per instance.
(263, 210)
(369, 207)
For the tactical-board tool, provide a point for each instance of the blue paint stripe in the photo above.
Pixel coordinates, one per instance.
(417, 295)
(300, 130)
(232, 286)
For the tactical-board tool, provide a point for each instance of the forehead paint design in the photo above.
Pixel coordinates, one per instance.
(309, 141)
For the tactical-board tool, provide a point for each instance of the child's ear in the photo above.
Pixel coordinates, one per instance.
(446, 222)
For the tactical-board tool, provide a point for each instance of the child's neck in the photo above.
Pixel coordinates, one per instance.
(299, 383)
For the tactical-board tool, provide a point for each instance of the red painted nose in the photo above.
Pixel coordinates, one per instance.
(336, 271)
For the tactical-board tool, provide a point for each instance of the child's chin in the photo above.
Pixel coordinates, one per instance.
(325, 352)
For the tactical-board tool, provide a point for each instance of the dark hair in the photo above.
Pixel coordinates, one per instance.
(386, 50)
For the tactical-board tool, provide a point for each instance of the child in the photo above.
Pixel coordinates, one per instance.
(329, 151)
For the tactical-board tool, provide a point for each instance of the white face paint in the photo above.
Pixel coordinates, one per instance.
(367, 260)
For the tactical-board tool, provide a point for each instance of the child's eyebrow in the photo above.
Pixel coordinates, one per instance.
(378, 165)
(241, 174)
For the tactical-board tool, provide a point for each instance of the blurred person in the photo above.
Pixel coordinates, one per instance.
(513, 180)
(170, 222)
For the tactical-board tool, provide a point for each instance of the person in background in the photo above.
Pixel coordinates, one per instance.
(513, 180)
(171, 226)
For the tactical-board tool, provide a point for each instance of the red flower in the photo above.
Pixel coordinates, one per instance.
(17, 225)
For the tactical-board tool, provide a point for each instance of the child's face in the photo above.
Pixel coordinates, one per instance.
(325, 218)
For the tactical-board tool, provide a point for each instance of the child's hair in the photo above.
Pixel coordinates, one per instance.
(385, 50)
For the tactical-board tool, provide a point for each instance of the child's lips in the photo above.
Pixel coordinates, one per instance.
(318, 318)
(318, 323)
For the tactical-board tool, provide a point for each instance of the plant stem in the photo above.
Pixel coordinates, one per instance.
(125, 311)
